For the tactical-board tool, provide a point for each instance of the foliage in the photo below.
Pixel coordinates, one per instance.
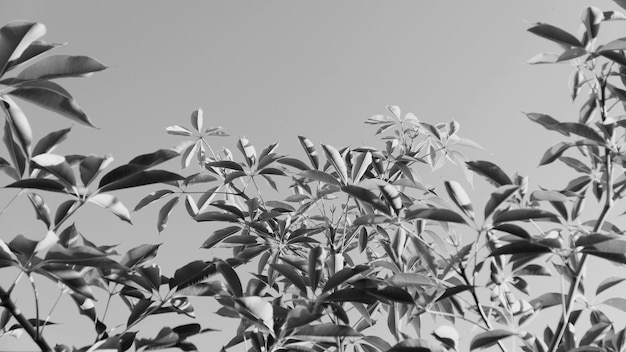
(343, 239)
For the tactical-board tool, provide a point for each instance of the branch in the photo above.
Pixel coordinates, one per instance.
(5, 300)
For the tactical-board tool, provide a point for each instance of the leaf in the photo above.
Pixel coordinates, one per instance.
(343, 275)
(533, 269)
(548, 195)
(192, 273)
(608, 283)
(43, 184)
(15, 38)
(138, 164)
(520, 247)
(248, 151)
(178, 131)
(18, 157)
(315, 266)
(41, 209)
(19, 123)
(164, 213)
(220, 235)
(141, 178)
(544, 58)
(335, 158)
(489, 338)
(447, 335)
(392, 196)
(366, 196)
(616, 302)
(80, 255)
(232, 279)
(411, 280)
(54, 101)
(417, 345)
(152, 197)
(216, 216)
(327, 330)
(292, 275)
(581, 130)
(460, 197)
(139, 255)
(554, 152)
(69, 277)
(258, 310)
(490, 171)
(524, 214)
(555, 34)
(501, 195)
(112, 204)
(320, 176)
(363, 162)
(50, 141)
(311, 153)
(58, 66)
(91, 166)
(56, 165)
(196, 119)
(433, 214)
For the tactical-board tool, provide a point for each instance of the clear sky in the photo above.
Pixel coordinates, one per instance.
(273, 70)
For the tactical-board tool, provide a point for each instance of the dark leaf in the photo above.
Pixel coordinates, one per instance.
(139, 255)
(232, 279)
(15, 38)
(52, 100)
(501, 195)
(141, 178)
(50, 141)
(520, 247)
(490, 171)
(343, 275)
(292, 275)
(489, 338)
(434, 214)
(320, 176)
(164, 213)
(608, 283)
(555, 34)
(524, 214)
(192, 273)
(220, 235)
(57, 66)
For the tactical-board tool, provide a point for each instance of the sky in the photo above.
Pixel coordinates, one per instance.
(273, 70)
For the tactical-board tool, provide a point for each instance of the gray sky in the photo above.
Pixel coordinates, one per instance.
(273, 70)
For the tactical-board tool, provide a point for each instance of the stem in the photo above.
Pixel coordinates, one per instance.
(556, 340)
(5, 300)
(483, 316)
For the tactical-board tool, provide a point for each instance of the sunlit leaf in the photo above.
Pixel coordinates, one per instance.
(335, 158)
(139, 255)
(616, 302)
(152, 197)
(112, 204)
(257, 310)
(15, 38)
(91, 166)
(41, 209)
(56, 165)
(320, 176)
(460, 197)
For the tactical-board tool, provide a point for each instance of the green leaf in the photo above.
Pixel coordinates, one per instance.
(501, 195)
(363, 162)
(555, 34)
(91, 166)
(69, 277)
(18, 156)
(520, 247)
(411, 280)
(417, 345)
(41, 209)
(164, 213)
(192, 273)
(58, 66)
(392, 196)
(492, 172)
(43, 184)
(327, 330)
(315, 266)
(220, 235)
(54, 101)
(258, 311)
(311, 153)
(139, 255)
(112, 204)
(554, 152)
(232, 279)
(523, 215)
(366, 196)
(15, 38)
(533, 269)
(343, 275)
(335, 158)
(56, 165)
(141, 178)
(608, 283)
(489, 338)
(548, 300)
(50, 141)
(616, 302)
(547, 121)
(581, 130)
(320, 176)
(460, 197)
(433, 214)
(292, 275)
(80, 255)
(216, 216)
(248, 151)
(19, 123)
(35, 49)
(152, 197)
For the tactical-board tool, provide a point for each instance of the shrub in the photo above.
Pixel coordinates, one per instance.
(339, 241)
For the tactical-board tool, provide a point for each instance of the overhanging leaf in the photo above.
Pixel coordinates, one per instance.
(57, 66)
(489, 338)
